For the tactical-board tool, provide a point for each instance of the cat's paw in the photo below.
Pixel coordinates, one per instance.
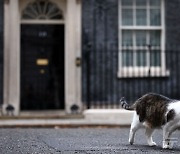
(131, 141)
(167, 147)
(152, 144)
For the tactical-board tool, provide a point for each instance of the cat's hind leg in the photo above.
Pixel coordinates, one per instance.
(167, 131)
(135, 125)
(148, 133)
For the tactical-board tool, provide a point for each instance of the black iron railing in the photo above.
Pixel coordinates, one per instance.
(106, 78)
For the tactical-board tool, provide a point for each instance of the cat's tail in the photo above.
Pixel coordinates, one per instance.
(125, 105)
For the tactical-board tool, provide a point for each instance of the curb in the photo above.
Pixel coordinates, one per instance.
(55, 123)
(115, 116)
(90, 118)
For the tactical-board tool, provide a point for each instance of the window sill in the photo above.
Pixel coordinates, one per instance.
(139, 72)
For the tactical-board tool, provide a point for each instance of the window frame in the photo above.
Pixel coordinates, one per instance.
(142, 71)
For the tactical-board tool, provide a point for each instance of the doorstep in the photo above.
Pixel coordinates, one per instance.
(45, 114)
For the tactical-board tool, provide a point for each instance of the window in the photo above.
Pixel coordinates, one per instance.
(141, 38)
(42, 10)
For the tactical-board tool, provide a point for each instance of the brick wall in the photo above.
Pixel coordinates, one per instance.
(100, 48)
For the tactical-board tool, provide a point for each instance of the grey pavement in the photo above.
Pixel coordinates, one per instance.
(79, 141)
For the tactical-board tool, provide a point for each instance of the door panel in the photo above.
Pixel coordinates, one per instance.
(42, 67)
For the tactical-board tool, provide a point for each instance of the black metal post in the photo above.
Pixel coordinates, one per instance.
(88, 74)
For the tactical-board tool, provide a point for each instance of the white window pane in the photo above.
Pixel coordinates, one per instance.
(127, 2)
(141, 58)
(155, 59)
(141, 17)
(155, 38)
(155, 2)
(127, 38)
(141, 2)
(127, 17)
(155, 17)
(141, 38)
(42, 10)
(127, 58)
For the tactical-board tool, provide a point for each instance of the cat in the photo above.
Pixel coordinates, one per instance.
(154, 111)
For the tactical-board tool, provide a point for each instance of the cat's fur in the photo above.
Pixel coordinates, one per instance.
(154, 111)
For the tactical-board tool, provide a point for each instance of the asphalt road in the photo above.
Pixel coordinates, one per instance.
(79, 141)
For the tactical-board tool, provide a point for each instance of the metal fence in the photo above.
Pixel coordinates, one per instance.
(110, 74)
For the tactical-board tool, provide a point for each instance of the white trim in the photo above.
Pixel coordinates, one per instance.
(141, 27)
(12, 55)
(141, 47)
(131, 72)
(73, 47)
(56, 22)
(6, 54)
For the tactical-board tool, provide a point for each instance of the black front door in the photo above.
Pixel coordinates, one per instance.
(42, 67)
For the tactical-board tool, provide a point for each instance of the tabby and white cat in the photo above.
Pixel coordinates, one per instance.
(154, 111)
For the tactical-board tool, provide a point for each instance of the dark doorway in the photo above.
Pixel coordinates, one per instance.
(42, 67)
